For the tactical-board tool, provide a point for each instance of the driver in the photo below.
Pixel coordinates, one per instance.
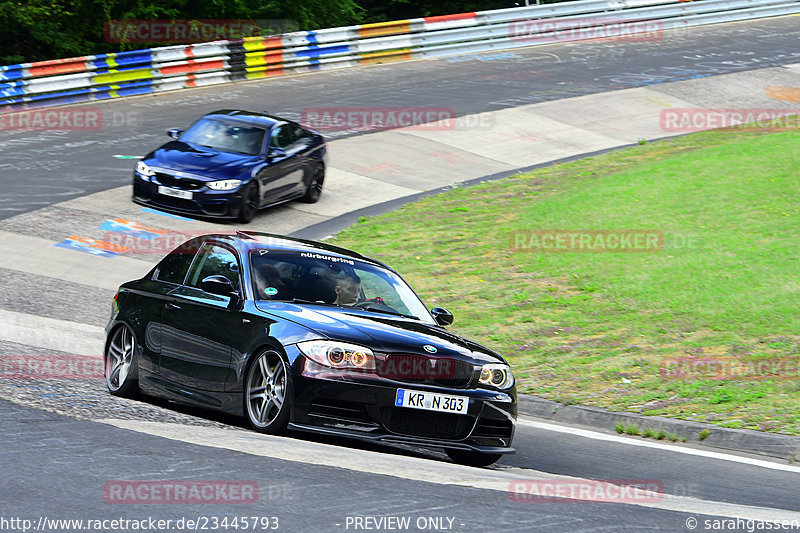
(347, 289)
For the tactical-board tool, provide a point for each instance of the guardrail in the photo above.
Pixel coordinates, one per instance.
(98, 77)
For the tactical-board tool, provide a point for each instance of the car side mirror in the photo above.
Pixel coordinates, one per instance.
(276, 152)
(442, 316)
(219, 285)
(174, 133)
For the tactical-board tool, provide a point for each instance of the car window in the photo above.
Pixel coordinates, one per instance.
(227, 136)
(375, 286)
(314, 277)
(214, 260)
(298, 133)
(173, 268)
(281, 137)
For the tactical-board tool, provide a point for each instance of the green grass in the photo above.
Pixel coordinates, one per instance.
(598, 328)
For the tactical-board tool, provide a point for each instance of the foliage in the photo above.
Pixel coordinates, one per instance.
(37, 30)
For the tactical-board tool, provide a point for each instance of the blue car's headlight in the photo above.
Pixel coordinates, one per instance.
(144, 171)
(497, 375)
(224, 185)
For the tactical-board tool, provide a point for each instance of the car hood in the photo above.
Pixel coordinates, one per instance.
(382, 333)
(201, 161)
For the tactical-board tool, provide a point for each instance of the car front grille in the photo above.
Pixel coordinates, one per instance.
(187, 184)
(411, 368)
(428, 424)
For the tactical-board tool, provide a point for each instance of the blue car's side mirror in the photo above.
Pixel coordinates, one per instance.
(174, 132)
(276, 152)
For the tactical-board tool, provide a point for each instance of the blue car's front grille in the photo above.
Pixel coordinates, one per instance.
(186, 184)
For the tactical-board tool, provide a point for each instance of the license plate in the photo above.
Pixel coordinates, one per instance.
(177, 193)
(431, 401)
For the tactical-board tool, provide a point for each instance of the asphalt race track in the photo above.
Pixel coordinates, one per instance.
(65, 441)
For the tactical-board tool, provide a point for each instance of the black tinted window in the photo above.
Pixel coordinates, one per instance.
(298, 133)
(214, 260)
(172, 268)
(281, 137)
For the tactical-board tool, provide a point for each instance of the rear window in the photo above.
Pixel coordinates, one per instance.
(173, 268)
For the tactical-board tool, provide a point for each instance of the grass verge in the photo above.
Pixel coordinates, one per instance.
(627, 331)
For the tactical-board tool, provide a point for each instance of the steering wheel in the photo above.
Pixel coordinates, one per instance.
(376, 303)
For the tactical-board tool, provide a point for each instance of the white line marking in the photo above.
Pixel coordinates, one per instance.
(51, 333)
(649, 444)
(416, 469)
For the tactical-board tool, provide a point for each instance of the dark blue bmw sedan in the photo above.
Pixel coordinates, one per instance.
(230, 164)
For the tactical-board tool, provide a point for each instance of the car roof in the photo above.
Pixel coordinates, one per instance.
(255, 240)
(250, 117)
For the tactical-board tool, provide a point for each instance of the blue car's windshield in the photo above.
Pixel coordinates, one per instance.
(226, 136)
(308, 277)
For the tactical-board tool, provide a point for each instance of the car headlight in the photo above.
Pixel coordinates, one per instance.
(335, 354)
(497, 375)
(224, 185)
(144, 170)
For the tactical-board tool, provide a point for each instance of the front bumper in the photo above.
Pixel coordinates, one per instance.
(204, 202)
(365, 410)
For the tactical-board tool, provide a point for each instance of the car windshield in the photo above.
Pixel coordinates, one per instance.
(226, 136)
(310, 277)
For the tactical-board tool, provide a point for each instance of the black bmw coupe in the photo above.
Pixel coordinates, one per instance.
(302, 335)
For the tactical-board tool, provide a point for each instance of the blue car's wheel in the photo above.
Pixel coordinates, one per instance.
(314, 189)
(249, 203)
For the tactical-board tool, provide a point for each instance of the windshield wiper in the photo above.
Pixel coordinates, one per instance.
(386, 311)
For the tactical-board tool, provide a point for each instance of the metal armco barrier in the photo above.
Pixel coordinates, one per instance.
(81, 79)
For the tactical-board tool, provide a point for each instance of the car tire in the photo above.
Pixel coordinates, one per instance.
(470, 458)
(249, 203)
(122, 364)
(267, 393)
(314, 189)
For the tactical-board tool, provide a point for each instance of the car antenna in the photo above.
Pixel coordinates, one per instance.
(243, 233)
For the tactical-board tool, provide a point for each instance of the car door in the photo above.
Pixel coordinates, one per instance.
(280, 178)
(200, 328)
(169, 274)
